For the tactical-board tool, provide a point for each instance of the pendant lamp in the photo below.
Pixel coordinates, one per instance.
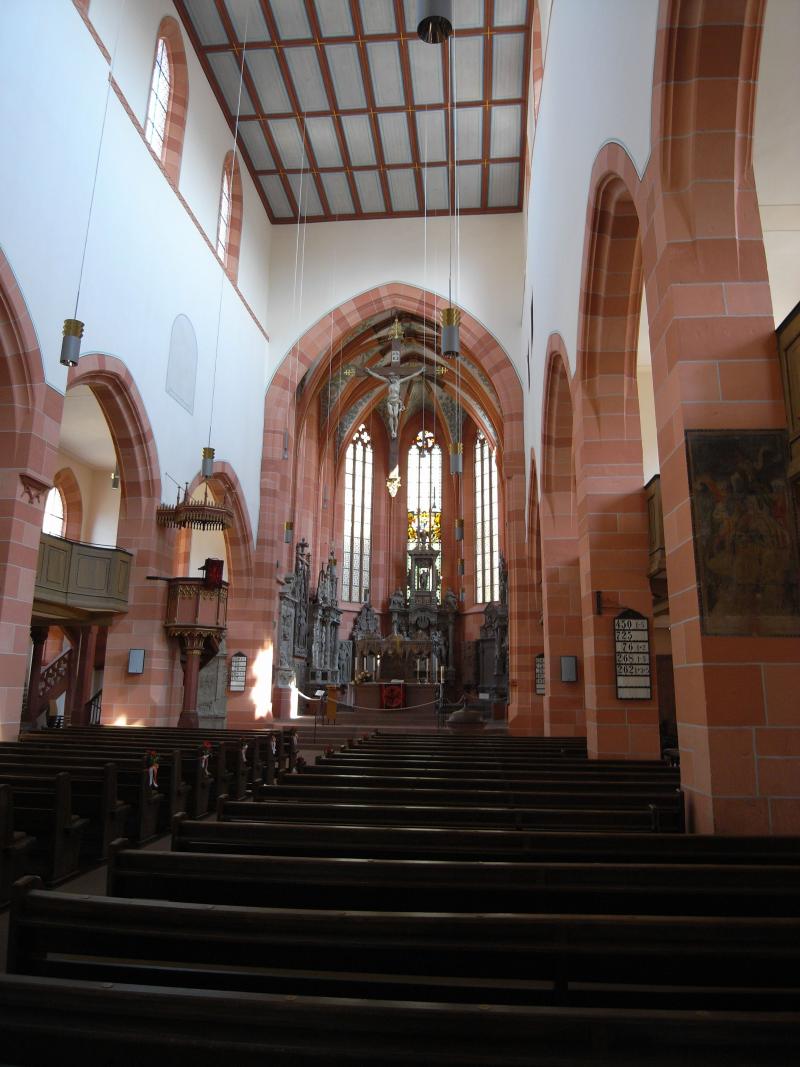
(434, 20)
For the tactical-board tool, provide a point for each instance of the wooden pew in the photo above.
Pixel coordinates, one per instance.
(670, 803)
(459, 886)
(517, 765)
(653, 818)
(149, 808)
(286, 1030)
(521, 846)
(94, 798)
(475, 958)
(495, 783)
(43, 809)
(226, 766)
(264, 747)
(282, 1030)
(15, 846)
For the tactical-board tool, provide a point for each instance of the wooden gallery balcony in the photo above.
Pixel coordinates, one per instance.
(77, 582)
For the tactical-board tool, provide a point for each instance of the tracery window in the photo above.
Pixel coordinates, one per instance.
(158, 103)
(357, 517)
(487, 526)
(425, 494)
(53, 522)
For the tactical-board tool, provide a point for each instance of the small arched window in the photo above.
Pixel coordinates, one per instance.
(53, 522)
(229, 219)
(169, 93)
(155, 128)
(487, 525)
(357, 518)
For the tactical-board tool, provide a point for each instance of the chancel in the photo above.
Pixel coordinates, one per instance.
(400, 471)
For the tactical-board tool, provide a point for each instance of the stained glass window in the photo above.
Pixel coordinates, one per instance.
(487, 527)
(425, 493)
(357, 518)
(158, 104)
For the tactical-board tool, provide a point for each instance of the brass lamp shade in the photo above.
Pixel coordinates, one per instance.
(451, 343)
(71, 343)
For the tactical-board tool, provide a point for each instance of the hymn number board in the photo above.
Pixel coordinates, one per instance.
(632, 656)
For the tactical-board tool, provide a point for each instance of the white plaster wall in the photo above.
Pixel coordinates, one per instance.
(207, 137)
(342, 259)
(99, 501)
(145, 261)
(207, 544)
(100, 523)
(776, 152)
(597, 88)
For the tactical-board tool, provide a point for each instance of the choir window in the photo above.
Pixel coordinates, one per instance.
(425, 495)
(487, 547)
(53, 522)
(357, 518)
(159, 102)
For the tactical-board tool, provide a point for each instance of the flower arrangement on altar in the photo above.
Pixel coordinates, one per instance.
(363, 676)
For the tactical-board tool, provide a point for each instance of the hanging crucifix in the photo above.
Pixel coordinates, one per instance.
(394, 405)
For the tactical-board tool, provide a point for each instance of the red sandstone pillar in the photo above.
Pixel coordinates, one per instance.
(82, 689)
(193, 646)
(39, 638)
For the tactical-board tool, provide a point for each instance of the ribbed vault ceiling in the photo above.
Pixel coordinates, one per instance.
(346, 395)
(346, 114)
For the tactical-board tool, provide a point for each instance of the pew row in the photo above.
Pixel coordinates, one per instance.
(455, 885)
(43, 809)
(15, 846)
(419, 814)
(149, 807)
(404, 842)
(94, 797)
(251, 1028)
(475, 958)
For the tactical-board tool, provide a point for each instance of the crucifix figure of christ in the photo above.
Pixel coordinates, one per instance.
(394, 404)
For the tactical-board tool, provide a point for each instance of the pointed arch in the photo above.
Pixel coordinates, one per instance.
(558, 472)
(128, 422)
(332, 331)
(67, 484)
(30, 415)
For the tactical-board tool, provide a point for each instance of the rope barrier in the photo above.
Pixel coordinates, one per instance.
(404, 707)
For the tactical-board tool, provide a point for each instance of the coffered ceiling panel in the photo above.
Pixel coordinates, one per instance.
(334, 18)
(344, 93)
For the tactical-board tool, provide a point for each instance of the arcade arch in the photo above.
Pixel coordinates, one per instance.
(491, 389)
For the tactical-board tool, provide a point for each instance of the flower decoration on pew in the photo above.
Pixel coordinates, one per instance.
(329, 750)
(300, 763)
(205, 752)
(152, 759)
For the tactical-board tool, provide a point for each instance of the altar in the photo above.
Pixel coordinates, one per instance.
(420, 697)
